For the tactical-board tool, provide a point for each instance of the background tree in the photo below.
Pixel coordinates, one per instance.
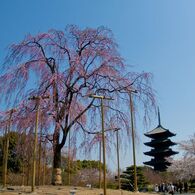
(20, 159)
(14, 162)
(188, 147)
(184, 168)
(67, 66)
(82, 171)
(152, 176)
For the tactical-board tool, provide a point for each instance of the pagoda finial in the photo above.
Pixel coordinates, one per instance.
(159, 122)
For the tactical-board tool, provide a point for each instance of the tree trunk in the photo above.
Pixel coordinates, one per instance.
(57, 178)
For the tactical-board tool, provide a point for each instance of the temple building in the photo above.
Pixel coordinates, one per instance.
(160, 144)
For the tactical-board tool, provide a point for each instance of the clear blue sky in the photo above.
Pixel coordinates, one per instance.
(155, 36)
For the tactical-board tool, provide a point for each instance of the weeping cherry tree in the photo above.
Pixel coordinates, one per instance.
(67, 66)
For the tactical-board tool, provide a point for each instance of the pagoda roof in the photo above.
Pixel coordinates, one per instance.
(160, 142)
(154, 162)
(159, 131)
(159, 165)
(161, 152)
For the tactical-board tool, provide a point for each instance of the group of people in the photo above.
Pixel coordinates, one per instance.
(172, 188)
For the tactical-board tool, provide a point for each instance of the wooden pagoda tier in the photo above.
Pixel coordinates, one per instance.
(157, 161)
(160, 144)
(158, 164)
(160, 152)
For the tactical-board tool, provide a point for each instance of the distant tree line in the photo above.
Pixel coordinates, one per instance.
(20, 162)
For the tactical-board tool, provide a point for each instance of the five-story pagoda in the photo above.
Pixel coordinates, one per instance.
(160, 144)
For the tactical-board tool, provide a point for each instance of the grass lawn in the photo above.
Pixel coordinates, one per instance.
(62, 190)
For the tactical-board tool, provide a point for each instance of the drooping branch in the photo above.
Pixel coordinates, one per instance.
(74, 121)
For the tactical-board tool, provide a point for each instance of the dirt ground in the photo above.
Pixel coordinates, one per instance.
(62, 190)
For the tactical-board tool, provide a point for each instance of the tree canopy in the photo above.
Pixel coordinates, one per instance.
(67, 66)
(184, 168)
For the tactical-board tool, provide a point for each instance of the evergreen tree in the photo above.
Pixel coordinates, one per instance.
(127, 178)
(14, 163)
(80, 165)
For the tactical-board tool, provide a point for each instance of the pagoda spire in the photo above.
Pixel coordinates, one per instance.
(159, 122)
